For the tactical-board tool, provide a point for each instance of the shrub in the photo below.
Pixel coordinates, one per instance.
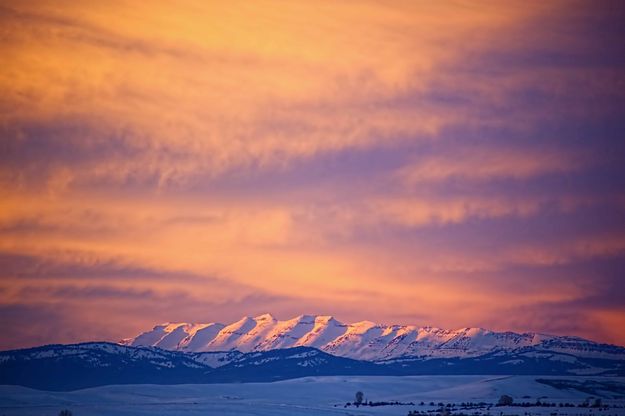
(505, 400)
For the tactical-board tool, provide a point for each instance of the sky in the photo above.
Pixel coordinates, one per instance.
(452, 164)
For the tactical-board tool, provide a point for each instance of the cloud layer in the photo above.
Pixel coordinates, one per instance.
(445, 164)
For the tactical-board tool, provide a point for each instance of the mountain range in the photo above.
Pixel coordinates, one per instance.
(263, 349)
(361, 340)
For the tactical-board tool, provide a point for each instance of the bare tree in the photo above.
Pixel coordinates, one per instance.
(359, 398)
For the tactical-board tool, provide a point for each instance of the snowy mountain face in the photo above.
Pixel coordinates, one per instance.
(362, 340)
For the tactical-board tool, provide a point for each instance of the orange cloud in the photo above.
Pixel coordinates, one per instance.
(491, 163)
(197, 90)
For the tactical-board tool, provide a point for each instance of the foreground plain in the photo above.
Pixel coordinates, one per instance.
(322, 396)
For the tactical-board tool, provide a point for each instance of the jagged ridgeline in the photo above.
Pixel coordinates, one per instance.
(361, 340)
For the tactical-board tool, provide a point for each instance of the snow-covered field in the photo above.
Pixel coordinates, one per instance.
(311, 396)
